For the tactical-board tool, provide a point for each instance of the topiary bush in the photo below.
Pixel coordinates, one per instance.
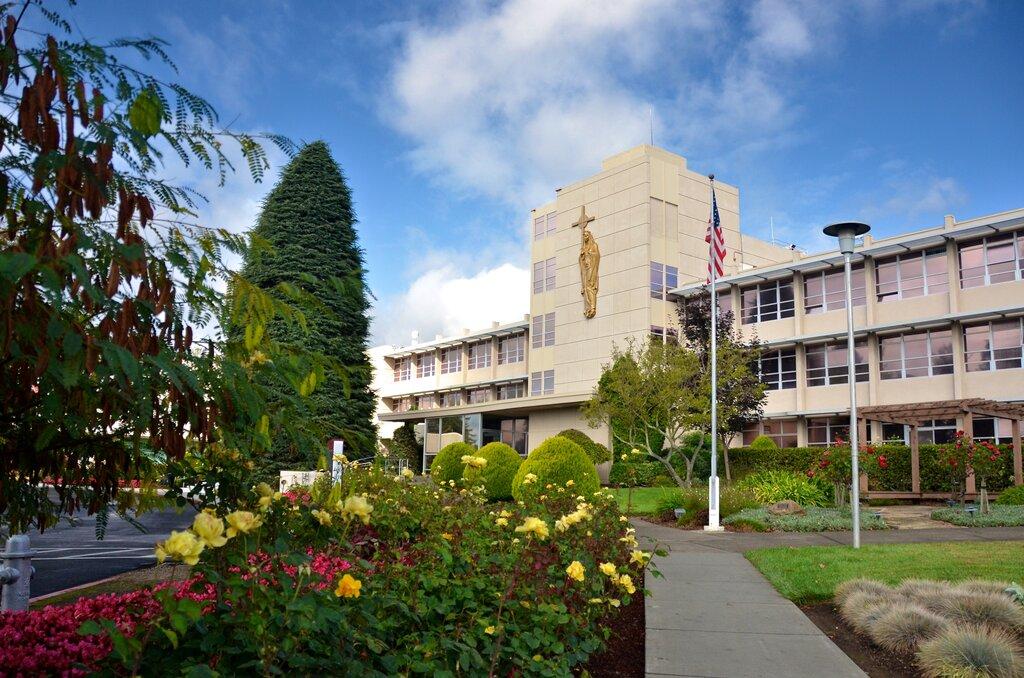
(763, 443)
(597, 452)
(971, 651)
(497, 475)
(447, 465)
(1012, 496)
(556, 461)
(773, 486)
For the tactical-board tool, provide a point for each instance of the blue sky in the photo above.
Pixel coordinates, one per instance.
(451, 120)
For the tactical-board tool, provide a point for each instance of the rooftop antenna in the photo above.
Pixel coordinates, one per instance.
(771, 228)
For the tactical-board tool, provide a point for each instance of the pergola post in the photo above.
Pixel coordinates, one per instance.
(915, 461)
(862, 435)
(971, 488)
(1018, 465)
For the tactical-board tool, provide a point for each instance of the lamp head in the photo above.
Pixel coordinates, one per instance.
(847, 232)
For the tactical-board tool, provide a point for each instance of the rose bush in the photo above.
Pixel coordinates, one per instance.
(378, 575)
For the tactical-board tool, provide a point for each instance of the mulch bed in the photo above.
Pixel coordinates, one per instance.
(625, 654)
(873, 660)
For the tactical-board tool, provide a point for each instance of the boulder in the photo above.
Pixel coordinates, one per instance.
(786, 507)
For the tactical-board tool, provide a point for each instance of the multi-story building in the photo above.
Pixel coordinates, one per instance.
(938, 315)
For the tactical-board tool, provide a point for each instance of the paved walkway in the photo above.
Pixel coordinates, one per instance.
(713, 614)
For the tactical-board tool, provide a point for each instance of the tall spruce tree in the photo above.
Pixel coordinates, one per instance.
(305, 237)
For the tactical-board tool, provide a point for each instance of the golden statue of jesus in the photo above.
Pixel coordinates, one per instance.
(590, 260)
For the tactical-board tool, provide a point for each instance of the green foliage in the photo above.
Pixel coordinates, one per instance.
(635, 474)
(763, 443)
(734, 499)
(1013, 496)
(597, 452)
(502, 464)
(446, 587)
(694, 500)
(447, 465)
(816, 520)
(554, 462)
(999, 515)
(662, 481)
(308, 241)
(404, 442)
(971, 651)
(773, 486)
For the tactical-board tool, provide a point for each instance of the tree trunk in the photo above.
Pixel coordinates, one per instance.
(725, 458)
(667, 463)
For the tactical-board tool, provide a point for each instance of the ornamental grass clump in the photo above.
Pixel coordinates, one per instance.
(858, 585)
(904, 626)
(995, 610)
(862, 609)
(971, 651)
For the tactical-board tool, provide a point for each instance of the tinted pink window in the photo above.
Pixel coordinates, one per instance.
(911, 277)
(891, 362)
(1001, 259)
(886, 285)
(915, 355)
(936, 271)
(972, 265)
(976, 348)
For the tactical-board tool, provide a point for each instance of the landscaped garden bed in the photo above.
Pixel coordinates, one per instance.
(814, 519)
(998, 516)
(375, 575)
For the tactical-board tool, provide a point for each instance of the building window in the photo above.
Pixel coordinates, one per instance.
(425, 365)
(511, 391)
(993, 345)
(916, 274)
(782, 431)
(894, 433)
(768, 301)
(544, 225)
(920, 354)
(451, 399)
(993, 430)
(996, 259)
(426, 402)
(826, 290)
(777, 369)
(544, 275)
(542, 383)
(403, 369)
(936, 431)
(512, 349)
(826, 363)
(514, 433)
(401, 404)
(663, 279)
(666, 334)
(451, 360)
(479, 395)
(543, 330)
(823, 431)
(479, 355)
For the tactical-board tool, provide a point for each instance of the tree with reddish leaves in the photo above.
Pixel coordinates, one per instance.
(106, 280)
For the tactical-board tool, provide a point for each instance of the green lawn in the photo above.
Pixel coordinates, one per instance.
(811, 573)
(644, 499)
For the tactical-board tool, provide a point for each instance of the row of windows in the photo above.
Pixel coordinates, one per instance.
(544, 225)
(823, 431)
(542, 330)
(544, 276)
(995, 345)
(470, 396)
(511, 349)
(905, 276)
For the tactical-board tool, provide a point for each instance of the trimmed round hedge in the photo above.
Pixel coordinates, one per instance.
(1012, 496)
(447, 465)
(763, 442)
(556, 461)
(597, 452)
(497, 476)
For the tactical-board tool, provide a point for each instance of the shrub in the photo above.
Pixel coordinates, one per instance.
(982, 586)
(971, 651)
(858, 585)
(597, 452)
(763, 443)
(995, 610)
(1012, 496)
(863, 608)
(732, 500)
(634, 473)
(662, 481)
(773, 486)
(447, 465)
(554, 462)
(693, 500)
(922, 589)
(497, 475)
(904, 626)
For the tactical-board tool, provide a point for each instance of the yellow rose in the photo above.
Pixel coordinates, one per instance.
(614, 602)
(639, 557)
(608, 569)
(322, 516)
(501, 522)
(183, 546)
(473, 461)
(408, 473)
(348, 587)
(242, 522)
(357, 506)
(210, 529)
(626, 582)
(575, 570)
(570, 482)
(529, 478)
(490, 630)
(534, 526)
(447, 536)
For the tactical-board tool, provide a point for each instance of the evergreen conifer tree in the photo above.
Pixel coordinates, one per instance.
(306, 238)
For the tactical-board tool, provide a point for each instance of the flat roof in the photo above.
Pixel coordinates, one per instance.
(444, 342)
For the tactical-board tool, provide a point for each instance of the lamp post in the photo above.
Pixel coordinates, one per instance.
(847, 233)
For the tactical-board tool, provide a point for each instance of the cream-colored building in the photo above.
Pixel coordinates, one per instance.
(938, 313)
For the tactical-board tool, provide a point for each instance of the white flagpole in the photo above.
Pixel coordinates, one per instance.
(713, 509)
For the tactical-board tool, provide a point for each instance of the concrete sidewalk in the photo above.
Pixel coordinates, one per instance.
(714, 614)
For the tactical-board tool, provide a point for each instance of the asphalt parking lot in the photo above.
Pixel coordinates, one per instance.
(70, 555)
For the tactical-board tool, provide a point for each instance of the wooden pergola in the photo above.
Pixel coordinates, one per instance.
(914, 414)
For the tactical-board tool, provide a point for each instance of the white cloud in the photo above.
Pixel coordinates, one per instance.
(918, 196)
(443, 301)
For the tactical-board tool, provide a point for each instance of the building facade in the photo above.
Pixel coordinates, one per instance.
(938, 313)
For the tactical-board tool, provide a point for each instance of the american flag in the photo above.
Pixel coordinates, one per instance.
(716, 240)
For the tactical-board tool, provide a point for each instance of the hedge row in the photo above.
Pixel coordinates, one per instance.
(896, 477)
